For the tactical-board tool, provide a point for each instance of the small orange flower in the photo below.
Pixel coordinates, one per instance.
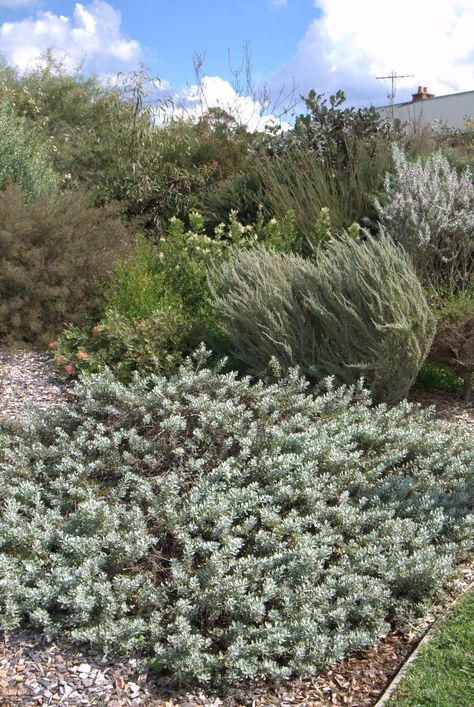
(53, 344)
(59, 359)
(82, 355)
(69, 368)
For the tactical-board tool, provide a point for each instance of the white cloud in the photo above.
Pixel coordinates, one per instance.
(92, 36)
(215, 92)
(353, 41)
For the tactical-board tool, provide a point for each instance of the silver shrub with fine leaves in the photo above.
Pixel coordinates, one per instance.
(359, 310)
(429, 209)
(228, 529)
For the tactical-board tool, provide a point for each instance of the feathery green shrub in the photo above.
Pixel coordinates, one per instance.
(359, 310)
(229, 530)
(53, 253)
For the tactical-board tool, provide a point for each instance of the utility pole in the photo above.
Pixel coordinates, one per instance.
(393, 76)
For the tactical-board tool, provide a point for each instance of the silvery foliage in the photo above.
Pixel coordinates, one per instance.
(429, 209)
(228, 529)
(358, 310)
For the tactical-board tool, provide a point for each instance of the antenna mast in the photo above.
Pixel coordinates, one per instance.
(393, 76)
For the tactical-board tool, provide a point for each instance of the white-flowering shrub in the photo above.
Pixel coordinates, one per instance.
(228, 529)
(429, 209)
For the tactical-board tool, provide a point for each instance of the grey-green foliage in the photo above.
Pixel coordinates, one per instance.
(429, 209)
(228, 529)
(24, 158)
(359, 310)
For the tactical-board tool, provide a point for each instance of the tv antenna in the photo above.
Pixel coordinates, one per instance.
(393, 76)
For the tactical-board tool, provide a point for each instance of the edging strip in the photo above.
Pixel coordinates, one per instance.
(391, 688)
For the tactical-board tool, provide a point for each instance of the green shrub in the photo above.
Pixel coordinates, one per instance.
(360, 310)
(432, 376)
(157, 300)
(53, 252)
(174, 271)
(453, 345)
(229, 530)
(240, 192)
(135, 288)
(152, 344)
(24, 159)
(334, 159)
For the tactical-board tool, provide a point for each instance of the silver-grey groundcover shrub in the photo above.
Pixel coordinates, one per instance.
(228, 529)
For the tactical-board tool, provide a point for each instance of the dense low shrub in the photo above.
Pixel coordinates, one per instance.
(359, 310)
(429, 209)
(229, 530)
(53, 252)
(154, 343)
(435, 376)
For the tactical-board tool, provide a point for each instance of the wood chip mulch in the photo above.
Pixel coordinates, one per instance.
(35, 671)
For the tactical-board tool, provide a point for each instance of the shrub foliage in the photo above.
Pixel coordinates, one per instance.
(24, 158)
(454, 341)
(228, 529)
(429, 209)
(360, 310)
(150, 344)
(52, 253)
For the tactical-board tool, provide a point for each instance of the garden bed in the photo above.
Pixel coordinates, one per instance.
(35, 671)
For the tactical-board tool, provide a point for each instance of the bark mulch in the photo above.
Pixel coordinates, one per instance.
(35, 671)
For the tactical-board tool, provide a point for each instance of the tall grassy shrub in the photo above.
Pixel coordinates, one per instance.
(359, 310)
(226, 529)
(301, 181)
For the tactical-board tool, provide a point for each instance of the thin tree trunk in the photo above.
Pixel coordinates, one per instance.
(467, 387)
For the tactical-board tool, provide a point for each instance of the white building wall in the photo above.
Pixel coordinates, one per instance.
(452, 110)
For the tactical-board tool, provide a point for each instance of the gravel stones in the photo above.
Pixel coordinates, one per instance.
(27, 381)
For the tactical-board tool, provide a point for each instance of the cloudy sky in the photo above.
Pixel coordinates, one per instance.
(325, 44)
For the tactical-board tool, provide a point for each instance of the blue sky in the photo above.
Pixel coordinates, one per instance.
(325, 44)
(170, 31)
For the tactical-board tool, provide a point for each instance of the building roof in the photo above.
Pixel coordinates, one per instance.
(426, 100)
